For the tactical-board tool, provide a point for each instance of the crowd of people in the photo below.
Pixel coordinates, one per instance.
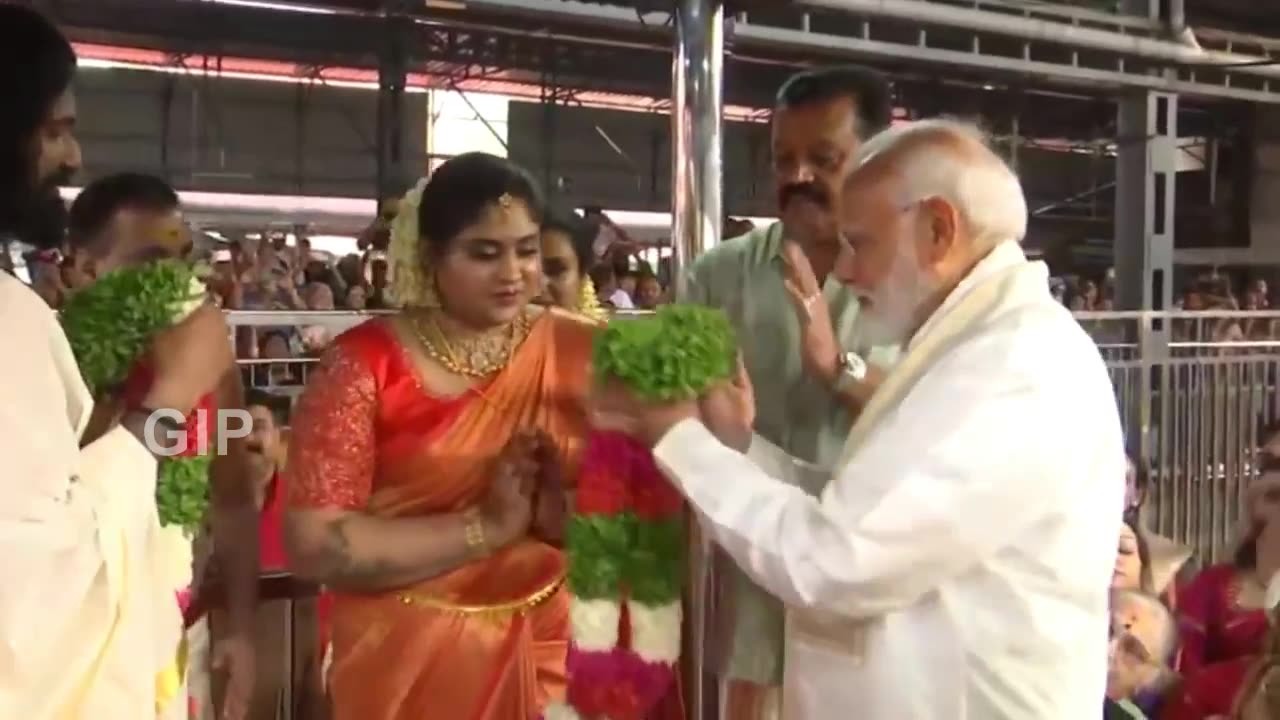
(916, 481)
(1195, 646)
(276, 272)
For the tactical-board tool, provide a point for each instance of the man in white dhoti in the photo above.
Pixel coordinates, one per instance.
(956, 567)
(88, 620)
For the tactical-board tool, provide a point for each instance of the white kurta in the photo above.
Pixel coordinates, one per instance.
(87, 619)
(961, 559)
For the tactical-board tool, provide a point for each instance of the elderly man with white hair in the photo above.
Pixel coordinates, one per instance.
(1144, 637)
(956, 566)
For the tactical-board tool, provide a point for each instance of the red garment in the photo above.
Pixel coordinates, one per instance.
(1208, 692)
(271, 552)
(271, 555)
(199, 424)
(1214, 628)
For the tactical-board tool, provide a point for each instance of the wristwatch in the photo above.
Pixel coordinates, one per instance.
(851, 370)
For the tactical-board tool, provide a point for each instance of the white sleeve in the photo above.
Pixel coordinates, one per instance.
(943, 508)
(64, 511)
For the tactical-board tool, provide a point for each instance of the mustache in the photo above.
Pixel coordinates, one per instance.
(58, 178)
(808, 191)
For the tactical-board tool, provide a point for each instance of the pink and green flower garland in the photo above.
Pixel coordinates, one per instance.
(626, 538)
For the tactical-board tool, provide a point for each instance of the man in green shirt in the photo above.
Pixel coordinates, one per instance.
(799, 336)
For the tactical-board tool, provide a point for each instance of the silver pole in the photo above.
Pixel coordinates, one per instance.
(696, 105)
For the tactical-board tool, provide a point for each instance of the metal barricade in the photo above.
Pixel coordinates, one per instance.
(1195, 391)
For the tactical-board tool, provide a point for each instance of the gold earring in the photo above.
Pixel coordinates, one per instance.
(589, 302)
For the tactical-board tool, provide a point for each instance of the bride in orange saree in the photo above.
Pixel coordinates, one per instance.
(425, 463)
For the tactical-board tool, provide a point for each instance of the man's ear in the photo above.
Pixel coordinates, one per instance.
(943, 225)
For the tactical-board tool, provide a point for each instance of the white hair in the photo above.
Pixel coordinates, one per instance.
(953, 160)
(1168, 626)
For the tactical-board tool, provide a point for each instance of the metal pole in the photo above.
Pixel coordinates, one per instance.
(696, 111)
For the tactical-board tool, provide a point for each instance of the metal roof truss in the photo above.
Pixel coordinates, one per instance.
(1059, 56)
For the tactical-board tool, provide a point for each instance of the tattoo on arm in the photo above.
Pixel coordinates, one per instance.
(339, 566)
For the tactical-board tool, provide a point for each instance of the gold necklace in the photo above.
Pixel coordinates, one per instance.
(478, 356)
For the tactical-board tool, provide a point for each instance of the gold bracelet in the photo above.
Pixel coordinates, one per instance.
(473, 531)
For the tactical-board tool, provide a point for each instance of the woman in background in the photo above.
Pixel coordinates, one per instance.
(1245, 687)
(566, 261)
(426, 462)
(1222, 615)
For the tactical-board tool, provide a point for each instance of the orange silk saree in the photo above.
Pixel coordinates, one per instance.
(487, 640)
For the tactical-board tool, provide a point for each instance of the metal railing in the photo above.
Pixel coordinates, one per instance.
(1195, 391)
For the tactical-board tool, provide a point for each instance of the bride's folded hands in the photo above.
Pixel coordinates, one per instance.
(355, 551)
(507, 509)
(551, 499)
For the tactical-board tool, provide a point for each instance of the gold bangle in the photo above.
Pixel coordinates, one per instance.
(473, 531)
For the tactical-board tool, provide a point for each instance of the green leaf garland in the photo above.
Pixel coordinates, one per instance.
(182, 491)
(675, 354)
(109, 326)
(111, 322)
(599, 546)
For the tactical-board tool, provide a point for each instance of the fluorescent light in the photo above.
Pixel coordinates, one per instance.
(281, 204)
(96, 64)
(215, 235)
(288, 7)
(644, 219)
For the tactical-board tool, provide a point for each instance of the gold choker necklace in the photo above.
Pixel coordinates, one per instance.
(475, 355)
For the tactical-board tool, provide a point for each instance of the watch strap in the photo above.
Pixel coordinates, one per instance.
(853, 370)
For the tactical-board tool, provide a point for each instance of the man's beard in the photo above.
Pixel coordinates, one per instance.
(889, 316)
(42, 216)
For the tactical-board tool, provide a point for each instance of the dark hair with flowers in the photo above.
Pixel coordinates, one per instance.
(459, 191)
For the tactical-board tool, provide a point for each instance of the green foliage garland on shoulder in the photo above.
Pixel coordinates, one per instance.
(109, 326)
(110, 323)
(182, 491)
(675, 354)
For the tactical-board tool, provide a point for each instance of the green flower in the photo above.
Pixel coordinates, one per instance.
(674, 354)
